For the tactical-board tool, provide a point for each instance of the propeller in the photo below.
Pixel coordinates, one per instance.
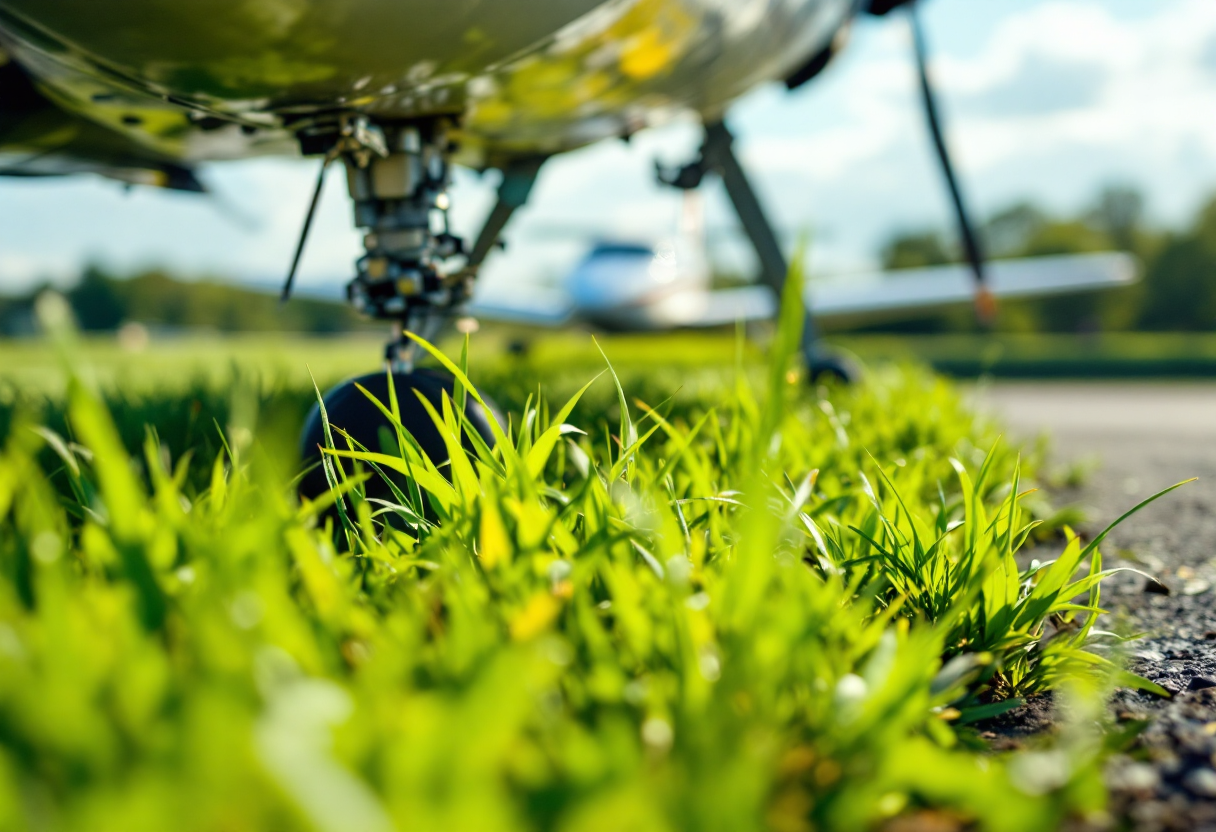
(985, 301)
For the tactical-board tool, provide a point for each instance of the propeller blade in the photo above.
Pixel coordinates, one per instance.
(985, 302)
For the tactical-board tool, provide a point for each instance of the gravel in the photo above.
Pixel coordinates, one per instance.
(1143, 437)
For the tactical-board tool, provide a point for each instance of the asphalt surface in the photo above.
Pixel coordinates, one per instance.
(1138, 438)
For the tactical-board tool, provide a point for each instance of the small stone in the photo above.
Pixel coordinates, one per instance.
(1210, 635)
(1196, 587)
(1135, 777)
(1156, 587)
(1201, 781)
(1148, 814)
(1201, 683)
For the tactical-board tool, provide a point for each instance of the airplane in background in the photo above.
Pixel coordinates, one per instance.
(623, 285)
(399, 91)
(632, 286)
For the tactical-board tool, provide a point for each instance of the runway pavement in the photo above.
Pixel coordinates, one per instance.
(1128, 424)
(1141, 437)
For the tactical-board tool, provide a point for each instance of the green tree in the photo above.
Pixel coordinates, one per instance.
(1180, 281)
(913, 250)
(1009, 231)
(97, 305)
(1119, 212)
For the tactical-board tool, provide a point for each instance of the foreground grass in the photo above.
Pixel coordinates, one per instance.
(747, 606)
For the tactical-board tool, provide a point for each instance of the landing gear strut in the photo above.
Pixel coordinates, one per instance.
(718, 155)
(414, 273)
(411, 273)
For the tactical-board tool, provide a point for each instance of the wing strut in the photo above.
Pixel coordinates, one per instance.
(312, 212)
(985, 304)
(718, 155)
(518, 176)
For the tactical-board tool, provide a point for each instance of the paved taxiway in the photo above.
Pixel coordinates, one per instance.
(1141, 437)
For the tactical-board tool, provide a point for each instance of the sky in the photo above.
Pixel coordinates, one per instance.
(1045, 100)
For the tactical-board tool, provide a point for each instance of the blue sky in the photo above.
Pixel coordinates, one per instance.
(1047, 100)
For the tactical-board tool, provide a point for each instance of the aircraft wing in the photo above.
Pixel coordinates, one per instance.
(896, 293)
(536, 307)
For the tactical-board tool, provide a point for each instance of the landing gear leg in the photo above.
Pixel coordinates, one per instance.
(414, 273)
(718, 155)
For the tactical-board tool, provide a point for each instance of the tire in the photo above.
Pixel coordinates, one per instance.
(830, 366)
(350, 410)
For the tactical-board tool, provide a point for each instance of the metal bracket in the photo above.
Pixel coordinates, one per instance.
(358, 138)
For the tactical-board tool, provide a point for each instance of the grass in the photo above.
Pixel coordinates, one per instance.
(734, 605)
(185, 363)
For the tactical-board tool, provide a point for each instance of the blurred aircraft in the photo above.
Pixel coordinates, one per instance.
(398, 90)
(631, 286)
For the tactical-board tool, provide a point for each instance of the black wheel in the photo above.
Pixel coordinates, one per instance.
(350, 410)
(830, 366)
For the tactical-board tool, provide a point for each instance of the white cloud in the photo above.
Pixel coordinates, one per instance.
(22, 270)
(1058, 99)
(1150, 93)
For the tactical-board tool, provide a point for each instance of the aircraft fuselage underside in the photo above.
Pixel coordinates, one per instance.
(220, 79)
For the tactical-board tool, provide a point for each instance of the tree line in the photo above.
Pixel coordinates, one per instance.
(1176, 292)
(103, 302)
